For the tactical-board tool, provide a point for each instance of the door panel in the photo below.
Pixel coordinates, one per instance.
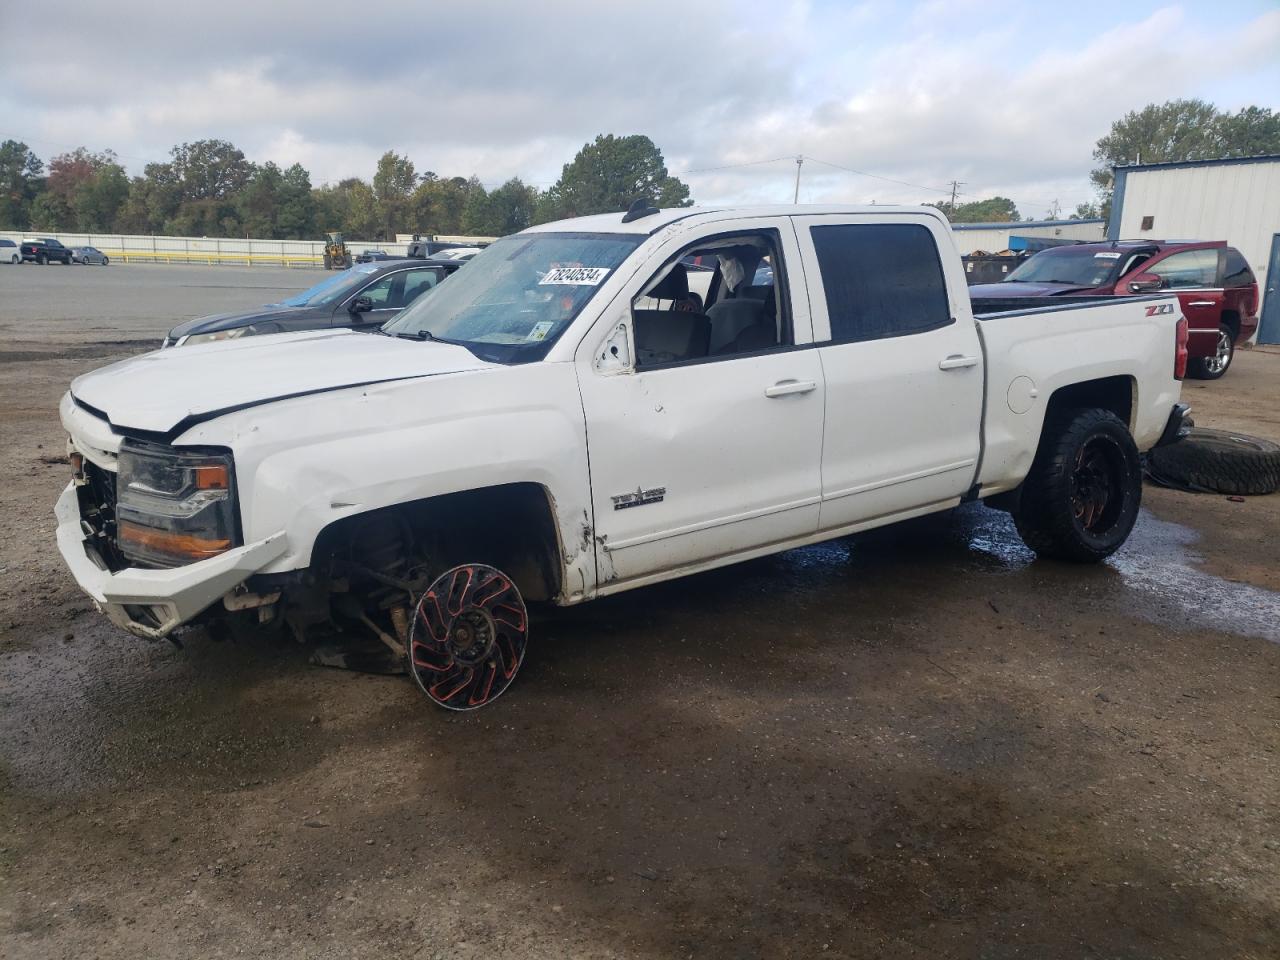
(390, 294)
(700, 461)
(1269, 328)
(695, 462)
(903, 412)
(1193, 276)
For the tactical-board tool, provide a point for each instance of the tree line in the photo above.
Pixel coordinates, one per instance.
(208, 188)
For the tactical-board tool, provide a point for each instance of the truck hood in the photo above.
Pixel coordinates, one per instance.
(1007, 289)
(168, 391)
(228, 321)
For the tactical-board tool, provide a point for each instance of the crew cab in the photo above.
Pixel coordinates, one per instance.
(1217, 291)
(561, 421)
(45, 250)
(362, 297)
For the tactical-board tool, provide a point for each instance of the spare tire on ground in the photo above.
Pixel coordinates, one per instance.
(1217, 461)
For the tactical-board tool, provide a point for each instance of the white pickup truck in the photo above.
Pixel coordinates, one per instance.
(562, 420)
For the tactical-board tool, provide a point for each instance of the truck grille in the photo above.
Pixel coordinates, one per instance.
(98, 512)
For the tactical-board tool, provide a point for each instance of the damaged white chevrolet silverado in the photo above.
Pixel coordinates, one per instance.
(564, 419)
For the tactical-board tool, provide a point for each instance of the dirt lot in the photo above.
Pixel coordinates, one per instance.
(918, 743)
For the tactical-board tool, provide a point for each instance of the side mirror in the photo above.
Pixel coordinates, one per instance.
(360, 305)
(1145, 283)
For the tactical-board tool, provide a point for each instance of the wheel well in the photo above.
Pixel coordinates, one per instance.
(1231, 319)
(510, 526)
(1108, 393)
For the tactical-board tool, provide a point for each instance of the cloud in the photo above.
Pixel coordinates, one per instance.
(926, 94)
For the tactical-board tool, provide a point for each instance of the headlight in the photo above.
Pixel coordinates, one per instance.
(231, 334)
(173, 505)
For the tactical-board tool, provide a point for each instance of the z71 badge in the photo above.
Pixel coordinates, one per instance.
(1159, 308)
(640, 498)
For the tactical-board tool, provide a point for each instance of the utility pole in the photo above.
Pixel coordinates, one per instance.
(955, 188)
(799, 164)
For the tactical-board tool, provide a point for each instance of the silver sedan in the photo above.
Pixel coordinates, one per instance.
(89, 255)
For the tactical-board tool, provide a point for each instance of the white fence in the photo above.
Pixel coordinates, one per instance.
(289, 253)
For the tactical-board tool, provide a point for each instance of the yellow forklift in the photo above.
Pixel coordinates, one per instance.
(336, 254)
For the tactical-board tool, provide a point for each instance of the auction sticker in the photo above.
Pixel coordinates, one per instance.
(540, 330)
(1106, 256)
(576, 276)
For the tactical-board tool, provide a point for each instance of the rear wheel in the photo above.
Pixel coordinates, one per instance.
(105, 261)
(1080, 500)
(1215, 365)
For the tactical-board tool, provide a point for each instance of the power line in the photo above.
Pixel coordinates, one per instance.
(734, 166)
(952, 189)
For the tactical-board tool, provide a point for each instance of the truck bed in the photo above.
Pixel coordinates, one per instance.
(1033, 351)
(984, 307)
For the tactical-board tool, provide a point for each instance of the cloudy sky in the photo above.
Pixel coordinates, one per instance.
(1007, 97)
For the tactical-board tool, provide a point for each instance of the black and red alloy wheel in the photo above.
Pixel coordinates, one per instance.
(468, 637)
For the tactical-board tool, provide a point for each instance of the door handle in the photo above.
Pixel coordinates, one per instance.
(1201, 303)
(784, 388)
(957, 362)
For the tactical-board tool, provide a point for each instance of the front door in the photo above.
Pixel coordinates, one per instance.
(387, 296)
(904, 371)
(1269, 330)
(704, 443)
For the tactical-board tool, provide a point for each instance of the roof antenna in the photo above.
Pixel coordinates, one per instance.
(639, 210)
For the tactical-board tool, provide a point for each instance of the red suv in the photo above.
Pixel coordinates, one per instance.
(1218, 291)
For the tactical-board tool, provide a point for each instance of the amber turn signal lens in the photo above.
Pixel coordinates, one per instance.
(173, 544)
(212, 477)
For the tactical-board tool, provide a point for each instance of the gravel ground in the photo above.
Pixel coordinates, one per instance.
(916, 743)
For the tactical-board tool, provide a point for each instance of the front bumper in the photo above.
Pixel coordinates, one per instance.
(151, 603)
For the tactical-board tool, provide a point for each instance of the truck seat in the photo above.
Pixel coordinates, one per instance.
(669, 336)
(729, 318)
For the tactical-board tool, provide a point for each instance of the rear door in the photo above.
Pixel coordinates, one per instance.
(1193, 276)
(903, 370)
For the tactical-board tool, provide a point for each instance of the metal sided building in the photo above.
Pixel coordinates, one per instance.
(994, 237)
(1236, 200)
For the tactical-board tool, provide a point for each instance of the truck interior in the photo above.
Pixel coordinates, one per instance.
(742, 311)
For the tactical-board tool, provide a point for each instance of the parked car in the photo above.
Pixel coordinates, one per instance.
(9, 252)
(89, 255)
(536, 430)
(45, 250)
(369, 256)
(364, 296)
(1216, 289)
(456, 253)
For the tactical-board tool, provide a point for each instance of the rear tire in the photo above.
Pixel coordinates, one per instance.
(1214, 366)
(1080, 500)
(105, 261)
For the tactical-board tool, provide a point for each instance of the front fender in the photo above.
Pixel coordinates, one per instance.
(303, 464)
